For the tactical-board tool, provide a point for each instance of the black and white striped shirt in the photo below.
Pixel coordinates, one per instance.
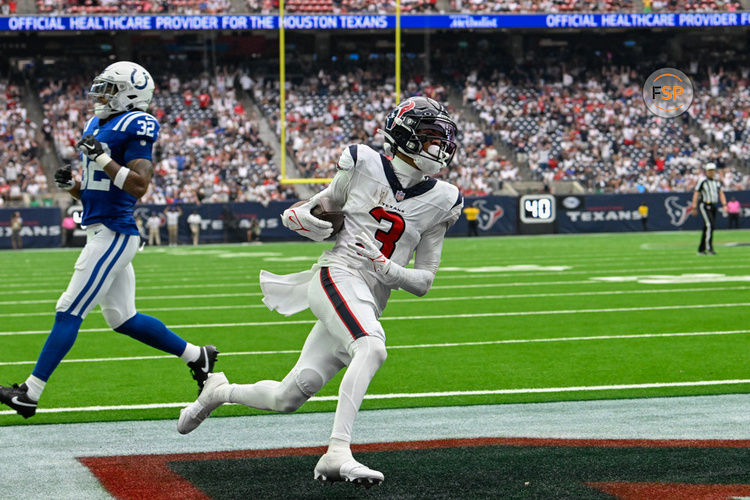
(709, 190)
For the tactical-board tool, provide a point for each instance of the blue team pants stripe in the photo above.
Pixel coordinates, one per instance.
(104, 275)
(92, 278)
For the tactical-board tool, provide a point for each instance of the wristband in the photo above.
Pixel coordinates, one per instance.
(122, 174)
(103, 160)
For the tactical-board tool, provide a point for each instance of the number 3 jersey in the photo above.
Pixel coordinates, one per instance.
(394, 217)
(125, 138)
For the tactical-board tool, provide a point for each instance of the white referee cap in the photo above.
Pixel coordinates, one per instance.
(711, 166)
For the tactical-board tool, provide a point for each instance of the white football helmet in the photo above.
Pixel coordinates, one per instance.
(122, 86)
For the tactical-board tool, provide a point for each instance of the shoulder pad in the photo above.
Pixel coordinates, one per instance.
(348, 158)
(454, 202)
(354, 154)
(139, 124)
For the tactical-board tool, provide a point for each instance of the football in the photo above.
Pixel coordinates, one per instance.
(327, 210)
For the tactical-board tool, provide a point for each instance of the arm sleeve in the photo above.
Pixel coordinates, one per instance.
(426, 261)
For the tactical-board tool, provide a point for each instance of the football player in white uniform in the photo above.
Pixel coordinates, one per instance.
(393, 210)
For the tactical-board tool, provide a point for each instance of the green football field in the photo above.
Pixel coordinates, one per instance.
(509, 319)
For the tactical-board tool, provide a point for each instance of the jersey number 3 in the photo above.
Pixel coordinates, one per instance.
(390, 237)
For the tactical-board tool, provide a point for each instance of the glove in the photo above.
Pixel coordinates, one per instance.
(91, 147)
(369, 255)
(64, 178)
(300, 219)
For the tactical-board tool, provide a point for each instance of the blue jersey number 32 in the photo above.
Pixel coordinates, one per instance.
(147, 128)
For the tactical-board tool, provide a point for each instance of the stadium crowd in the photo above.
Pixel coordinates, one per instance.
(209, 149)
(594, 6)
(369, 6)
(573, 123)
(330, 109)
(22, 177)
(84, 7)
(577, 122)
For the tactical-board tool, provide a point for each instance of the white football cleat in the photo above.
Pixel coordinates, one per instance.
(195, 413)
(340, 467)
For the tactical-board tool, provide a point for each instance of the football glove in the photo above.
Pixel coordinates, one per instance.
(300, 220)
(91, 147)
(64, 178)
(369, 255)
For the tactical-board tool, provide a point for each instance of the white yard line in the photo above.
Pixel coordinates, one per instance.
(437, 316)
(421, 299)
(443, 275)
(415, 299)
(415, 395)
(418, 346)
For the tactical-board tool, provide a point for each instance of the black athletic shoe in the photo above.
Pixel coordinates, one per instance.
(711, 252)
(204, 365)
(16, 398)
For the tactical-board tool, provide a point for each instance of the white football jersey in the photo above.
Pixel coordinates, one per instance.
(374, 202)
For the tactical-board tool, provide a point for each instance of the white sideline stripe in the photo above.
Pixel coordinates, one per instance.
(410, 318)
(413, 395)
(420, 299)
(417, 346)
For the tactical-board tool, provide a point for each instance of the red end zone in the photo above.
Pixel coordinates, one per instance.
(149, 476)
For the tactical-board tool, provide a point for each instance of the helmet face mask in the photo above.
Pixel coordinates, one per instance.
(422, 129)
(122, 86)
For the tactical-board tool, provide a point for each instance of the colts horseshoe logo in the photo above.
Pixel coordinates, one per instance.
(145, 80)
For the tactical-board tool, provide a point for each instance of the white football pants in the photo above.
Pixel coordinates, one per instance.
(347, 333)
(103, 276)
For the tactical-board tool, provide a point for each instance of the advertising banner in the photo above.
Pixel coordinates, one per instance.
(619, 212)
(40, 227)
(373, 22)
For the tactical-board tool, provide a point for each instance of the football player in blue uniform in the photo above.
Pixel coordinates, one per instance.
(116, 171)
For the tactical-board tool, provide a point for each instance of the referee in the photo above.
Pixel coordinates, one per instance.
(710, 193)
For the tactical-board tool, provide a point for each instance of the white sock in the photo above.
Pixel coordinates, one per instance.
(36, 386)
(361, 370)
(191, 353)
(339, 446)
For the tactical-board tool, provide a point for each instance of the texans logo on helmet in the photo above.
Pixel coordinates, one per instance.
(406, 107)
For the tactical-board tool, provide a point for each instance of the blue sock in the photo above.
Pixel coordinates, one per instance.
(59, 342)
(153, 332)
